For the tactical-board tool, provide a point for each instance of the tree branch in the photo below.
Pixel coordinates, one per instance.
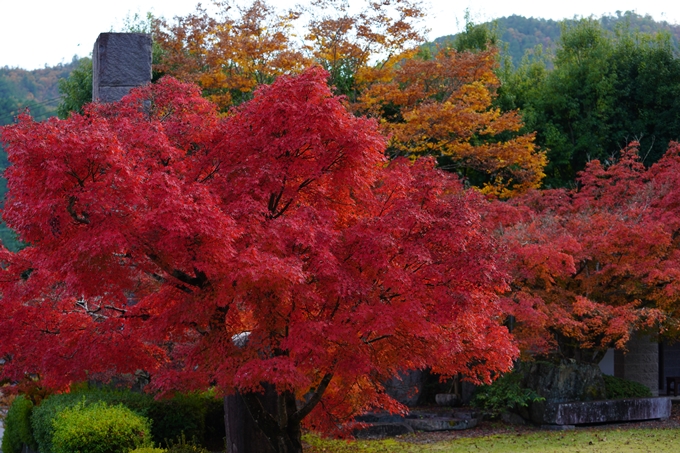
(314, 400)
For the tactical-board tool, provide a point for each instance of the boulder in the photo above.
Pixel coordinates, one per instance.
(560, 383)
(407, 387)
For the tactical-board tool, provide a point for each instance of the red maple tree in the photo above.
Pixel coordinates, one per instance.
(594, 264)
(276, 245)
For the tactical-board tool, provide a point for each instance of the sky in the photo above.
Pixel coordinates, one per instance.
(35, 33)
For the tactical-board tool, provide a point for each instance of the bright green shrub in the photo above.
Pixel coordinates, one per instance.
(44, 415)
(623, 388)
(148, 450)
(99, 428)
(199, 415)
(18, 426)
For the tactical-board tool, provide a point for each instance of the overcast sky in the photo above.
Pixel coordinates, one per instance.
(35, 33)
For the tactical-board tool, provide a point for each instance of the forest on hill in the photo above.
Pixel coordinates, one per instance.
(519, 35)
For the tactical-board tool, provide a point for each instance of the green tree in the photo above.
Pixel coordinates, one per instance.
(76, 90)
(606, 90)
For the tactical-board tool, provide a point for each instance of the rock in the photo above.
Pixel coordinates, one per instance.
(382, 430)
(560, 383)
(377, 417)
(447, 399)
(406, 388)
(466, 413)
(564, 382)
(513, 419)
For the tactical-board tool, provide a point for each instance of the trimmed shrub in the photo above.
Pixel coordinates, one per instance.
(99, 428)
(148, 450)
(180, 414)
(617, 388)
(44, 415)
(199, 415)
(18, 426)
(505, 394)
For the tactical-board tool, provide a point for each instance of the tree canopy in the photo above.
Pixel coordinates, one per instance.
(594, 264)
(276, 245)
(441, 105)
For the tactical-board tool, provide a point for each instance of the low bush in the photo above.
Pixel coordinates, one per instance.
(617, 388)
(99, 428)
(18, 426)
(505, 394)
(182, 446)
(148, 450)
(198, 415)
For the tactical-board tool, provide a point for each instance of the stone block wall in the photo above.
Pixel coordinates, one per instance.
(120, 62)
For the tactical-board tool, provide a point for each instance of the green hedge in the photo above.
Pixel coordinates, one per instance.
(199, 416)
(99, 428)
(148, 450)
(18, 426)
(617, 388)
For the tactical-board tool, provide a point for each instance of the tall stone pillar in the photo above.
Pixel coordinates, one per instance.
(640, 363)
(120, 61)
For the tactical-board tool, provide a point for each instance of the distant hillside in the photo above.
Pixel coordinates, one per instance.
(521, 34)
(37, 89)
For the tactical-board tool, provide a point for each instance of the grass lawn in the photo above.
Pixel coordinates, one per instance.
(589, 440)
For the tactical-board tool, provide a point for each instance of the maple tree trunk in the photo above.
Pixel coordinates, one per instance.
(259, 423)
(278, 424)
(571, 349)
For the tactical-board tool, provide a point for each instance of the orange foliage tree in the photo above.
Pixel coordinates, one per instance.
(228, 56)
(594, 264)
(442, 106)
(352, 46)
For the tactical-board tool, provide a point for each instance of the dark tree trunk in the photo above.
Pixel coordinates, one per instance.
(269, 422)
(243, 434)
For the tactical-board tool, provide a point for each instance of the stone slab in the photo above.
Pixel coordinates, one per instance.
(382, 430)
(441, 424)
(632, 409)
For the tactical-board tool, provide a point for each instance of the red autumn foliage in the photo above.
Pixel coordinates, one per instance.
(159, 232)
(593, 264)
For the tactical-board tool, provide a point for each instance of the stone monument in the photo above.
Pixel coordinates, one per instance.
(120, 62)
